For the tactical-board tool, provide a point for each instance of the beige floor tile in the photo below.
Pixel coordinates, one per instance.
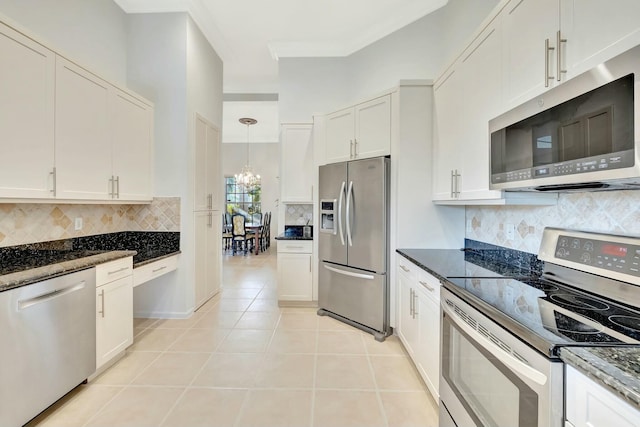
(234, 304)
(127, 368)
(268, 293)
(230, 370)
(200, 340)
(344, 342)
(342, 372)
(209, 305)
(137, 407)
(298, 321)
(206, 408)
(245, 341)
(276, 408)
(156, 339)
(218, 319)
(347, 409)
(390, 346)
(141, 322)
(172, 369)
(395, 373)
(178, 323)
(292, 341)
(266, 305)
(77, 407)
(240, 293)
(409, 409)
(258, 320)
(286, 370)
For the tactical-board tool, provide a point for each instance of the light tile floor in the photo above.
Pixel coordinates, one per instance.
(242, 361)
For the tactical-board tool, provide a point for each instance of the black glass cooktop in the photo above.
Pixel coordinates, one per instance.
(546, 314)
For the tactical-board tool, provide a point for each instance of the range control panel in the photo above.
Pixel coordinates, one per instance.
(608, 255)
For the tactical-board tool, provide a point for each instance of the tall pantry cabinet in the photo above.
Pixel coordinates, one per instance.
(207, 211)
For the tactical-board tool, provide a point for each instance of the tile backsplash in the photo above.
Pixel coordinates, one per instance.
(298, 214)
(616, 212)
(22, 223)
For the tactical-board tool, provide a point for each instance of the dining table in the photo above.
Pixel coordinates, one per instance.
(256, 228)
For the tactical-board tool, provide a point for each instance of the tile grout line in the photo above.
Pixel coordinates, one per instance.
(375, 382)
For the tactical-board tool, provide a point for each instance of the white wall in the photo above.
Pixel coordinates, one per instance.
(417, 51)
(264, 159)
(92, 32)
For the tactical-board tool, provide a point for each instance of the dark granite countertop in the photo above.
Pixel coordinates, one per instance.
(25, 264)
(294, 232)
(615, 368)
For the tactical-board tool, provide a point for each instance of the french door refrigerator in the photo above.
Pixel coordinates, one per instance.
(354, 244)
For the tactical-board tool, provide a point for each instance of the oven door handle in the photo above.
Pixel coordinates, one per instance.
(514, 364)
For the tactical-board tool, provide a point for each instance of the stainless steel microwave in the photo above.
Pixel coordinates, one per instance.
(582, 135)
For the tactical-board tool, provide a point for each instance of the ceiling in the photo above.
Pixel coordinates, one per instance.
(250, 35)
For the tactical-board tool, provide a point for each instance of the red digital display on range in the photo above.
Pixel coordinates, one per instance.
(614, 250)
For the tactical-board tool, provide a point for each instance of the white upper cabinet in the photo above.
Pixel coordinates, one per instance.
(359, 132)
(296, 163)
(82, 142)
(596, 31)
(132, 146)
(530, 27)
(208, 186)
(27, 90)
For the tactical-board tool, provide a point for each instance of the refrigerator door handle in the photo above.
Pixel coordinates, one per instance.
(340, 212)
(348, 273)
(346, 219)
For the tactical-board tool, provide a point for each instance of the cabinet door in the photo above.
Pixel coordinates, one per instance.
(596, 31)
(588, 404)
(373, 128)
(296, 164)
(481, 73)
(208, 186)
(208, 239)
(527, 24)
(132, 143)
(114, 319)
(82, 144)
(27, 85)
(294, 277)
(407, 324)
(448, 107)
(428, 353)
(339, 136)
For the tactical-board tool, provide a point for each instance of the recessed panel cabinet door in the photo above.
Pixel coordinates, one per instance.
(339, 136)
(114, 319)
(132, 140)
(82, 143)
(208, 180)
(27, 86)
(373, 128)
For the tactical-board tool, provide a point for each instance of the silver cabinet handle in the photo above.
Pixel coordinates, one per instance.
(415, 312)
(355, 147)
(210, 201)
(118, 270)
(159, 269)
(411, 302)
(347, 214)
(559, 41)
(295, 247)
(426, 285)
(351, 148)
(452, 178)
(102, 298)
(547, 49)
(54, 176)
(404, 268)
(340, 212)
(111, 184)
(117, 187)
(310, 265)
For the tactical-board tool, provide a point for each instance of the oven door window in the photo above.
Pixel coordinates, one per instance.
(492, 395)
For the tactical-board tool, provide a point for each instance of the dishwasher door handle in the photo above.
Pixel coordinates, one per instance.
(26, 303)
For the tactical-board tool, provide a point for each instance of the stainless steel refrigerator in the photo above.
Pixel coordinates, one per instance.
(354, 244)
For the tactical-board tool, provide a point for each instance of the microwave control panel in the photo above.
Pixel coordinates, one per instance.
(607, 255)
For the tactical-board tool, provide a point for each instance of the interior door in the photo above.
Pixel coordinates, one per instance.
(367, 212)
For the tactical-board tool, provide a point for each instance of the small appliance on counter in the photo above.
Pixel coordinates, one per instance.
(501, 336)
(353, 244)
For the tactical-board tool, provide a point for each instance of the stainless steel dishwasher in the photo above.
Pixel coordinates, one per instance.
(47, 343)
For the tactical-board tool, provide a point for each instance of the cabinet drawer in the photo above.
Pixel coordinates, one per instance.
(155, 269)
(295, 246)
(406, 267)
(113, 270)
(430, 285)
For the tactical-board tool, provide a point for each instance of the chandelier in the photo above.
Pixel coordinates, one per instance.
(246, 177)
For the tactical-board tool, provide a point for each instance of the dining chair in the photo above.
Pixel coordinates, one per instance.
(239, 234)
(227, 235)
(265, 235)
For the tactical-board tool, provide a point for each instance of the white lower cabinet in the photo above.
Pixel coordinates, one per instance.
(419, 320)
(588, 404)
(114, 309)
(208, 255)
(295, 265)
